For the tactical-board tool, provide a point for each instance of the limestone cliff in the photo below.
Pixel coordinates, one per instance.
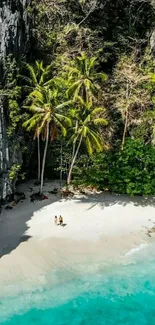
(14, 39)
(152, 38)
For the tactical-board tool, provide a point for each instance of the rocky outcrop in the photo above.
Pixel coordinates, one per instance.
(14, 39)
(152, 43)
(14, 27)
(152, 38)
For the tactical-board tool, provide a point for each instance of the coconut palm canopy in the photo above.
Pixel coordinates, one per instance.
(37, 75)
(89, 121)
(46, 111)
(49, 99)
(83, 80)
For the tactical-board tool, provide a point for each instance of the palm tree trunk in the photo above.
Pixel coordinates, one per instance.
(61, 165)
(73, 162)
(128, 91)
(38, 142)
(44, 159)
(74, 145)
(125, 129)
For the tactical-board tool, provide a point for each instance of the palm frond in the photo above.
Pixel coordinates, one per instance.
(69, 102)
(64, 119)
(39, 65)
(38, 94)
(43, 124)
(80, 100)
(89, 146)
(73, 71)
(97, 110)
(87, 84)
(32, 122)
(76, 93)
(50, 82)
(85, 131)
(92, 63)
(100, 76)
(87, 119)
(32, 73)
(34, 108)
(73, 88)
(96, 140)
(44, 78)
(63, 130)
(100, 121)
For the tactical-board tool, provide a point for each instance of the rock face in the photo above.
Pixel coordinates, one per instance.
(14, 39)
(14, 27)
(152, 43)
(152, 38)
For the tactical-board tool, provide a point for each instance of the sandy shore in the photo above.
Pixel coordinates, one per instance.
(99, 228)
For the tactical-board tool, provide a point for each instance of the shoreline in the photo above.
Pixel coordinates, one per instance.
(32, 266)
(100, 228)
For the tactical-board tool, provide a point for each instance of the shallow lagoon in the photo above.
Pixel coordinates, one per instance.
(99, 294)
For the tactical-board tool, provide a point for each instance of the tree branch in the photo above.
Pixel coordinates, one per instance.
(88, 14)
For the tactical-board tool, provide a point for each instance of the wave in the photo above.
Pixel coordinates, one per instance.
(136, 249)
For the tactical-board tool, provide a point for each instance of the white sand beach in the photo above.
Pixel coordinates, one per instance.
(97, 227)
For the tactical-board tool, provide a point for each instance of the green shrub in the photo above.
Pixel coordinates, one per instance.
(129, 171)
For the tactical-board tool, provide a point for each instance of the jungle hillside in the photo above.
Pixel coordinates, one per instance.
(81, 101)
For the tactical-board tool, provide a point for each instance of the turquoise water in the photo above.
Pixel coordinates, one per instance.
(114, 295)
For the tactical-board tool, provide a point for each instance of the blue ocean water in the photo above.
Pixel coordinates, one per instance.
(112, 295)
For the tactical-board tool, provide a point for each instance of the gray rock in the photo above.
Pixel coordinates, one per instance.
(14, 39)
(152, 38)
(14, 27)
(153, 3)
(152, 42)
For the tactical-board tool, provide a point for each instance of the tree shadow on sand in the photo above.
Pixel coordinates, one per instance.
(13, 226)
(108, 199)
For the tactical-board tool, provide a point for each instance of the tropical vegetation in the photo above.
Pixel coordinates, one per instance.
(87, 94)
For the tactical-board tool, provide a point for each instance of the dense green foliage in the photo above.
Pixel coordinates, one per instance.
(88, 94)
(128, 171)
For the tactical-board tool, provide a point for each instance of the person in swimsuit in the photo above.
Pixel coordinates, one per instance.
(56, 220)
(61, 221)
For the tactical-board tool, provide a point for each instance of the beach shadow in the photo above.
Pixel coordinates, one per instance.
(13, 222)
(109, 199)
(8, 249)
(64, 224)
(24, 238)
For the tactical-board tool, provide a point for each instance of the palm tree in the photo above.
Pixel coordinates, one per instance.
(47, 118)
(83, 83)
(38, 75)
(83, 80)
(87, 132)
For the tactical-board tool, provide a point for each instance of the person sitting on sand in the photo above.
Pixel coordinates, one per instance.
(61, 221)
(56, 220)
